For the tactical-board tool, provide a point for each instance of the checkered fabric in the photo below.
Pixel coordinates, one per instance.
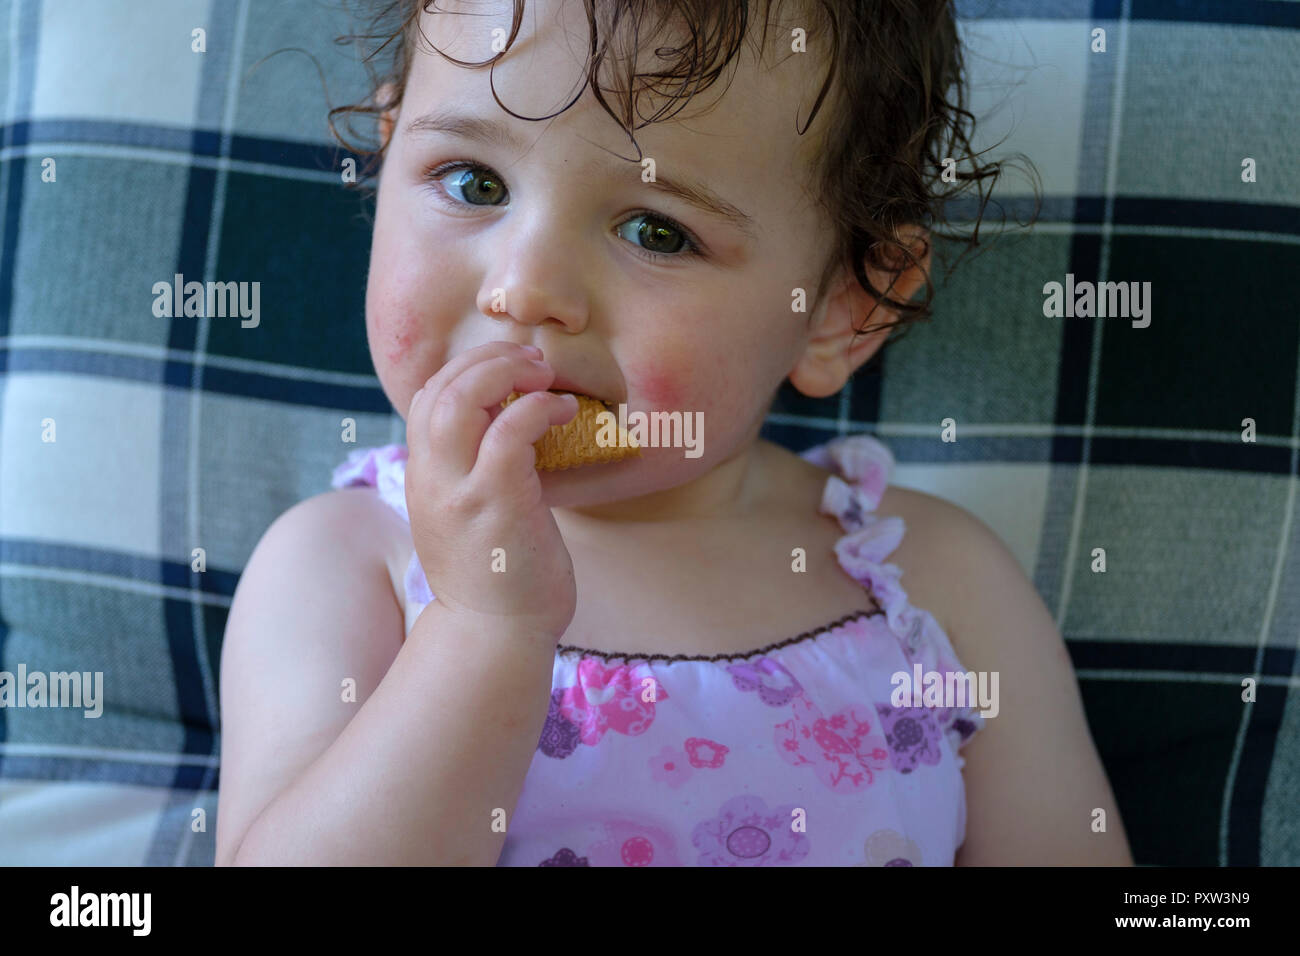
(1073, 433)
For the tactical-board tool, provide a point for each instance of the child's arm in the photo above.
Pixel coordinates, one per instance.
(1033, 777)
(442, 730)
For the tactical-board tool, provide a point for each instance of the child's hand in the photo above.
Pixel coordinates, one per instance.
(471, 488)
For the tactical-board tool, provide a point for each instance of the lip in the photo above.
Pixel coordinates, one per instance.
(563, 384)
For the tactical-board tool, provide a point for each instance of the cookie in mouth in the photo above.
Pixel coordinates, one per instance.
(574, 444)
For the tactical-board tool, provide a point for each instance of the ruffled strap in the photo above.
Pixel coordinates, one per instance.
(865, 467)
(384, 469)
(863, 460)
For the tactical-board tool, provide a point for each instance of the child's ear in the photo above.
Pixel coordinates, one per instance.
(384, 100)
(833, 352)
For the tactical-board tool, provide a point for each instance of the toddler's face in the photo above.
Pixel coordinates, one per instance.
(544, 222)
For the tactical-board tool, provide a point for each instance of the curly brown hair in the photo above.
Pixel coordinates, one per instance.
(892, 130)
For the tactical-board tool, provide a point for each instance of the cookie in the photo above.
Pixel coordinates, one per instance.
(574, 444)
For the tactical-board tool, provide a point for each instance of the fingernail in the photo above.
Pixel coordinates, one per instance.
(533, 350)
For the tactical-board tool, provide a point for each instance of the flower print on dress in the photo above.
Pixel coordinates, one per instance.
(776, 686)
(630, 843)
(565, 857)
(746, 833)
(559, 734)
(842, 750)
(912, 734)
(891, 848)
(964, 728)
(610, 698)
(705, 753)
(957, 722)
(670, 766)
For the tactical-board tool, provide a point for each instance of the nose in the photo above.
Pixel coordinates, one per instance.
(535, 276)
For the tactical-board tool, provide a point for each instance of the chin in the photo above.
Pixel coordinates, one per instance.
(601, 484)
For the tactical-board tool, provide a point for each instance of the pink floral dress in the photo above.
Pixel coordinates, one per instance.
(790, 754)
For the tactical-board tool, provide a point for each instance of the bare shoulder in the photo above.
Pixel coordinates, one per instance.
(960, 570)
(942, 544)
(314, 608)
(1034, 781)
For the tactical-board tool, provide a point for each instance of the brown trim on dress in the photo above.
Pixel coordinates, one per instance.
(668, 659)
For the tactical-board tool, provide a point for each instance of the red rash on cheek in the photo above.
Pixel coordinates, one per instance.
(400, 345)
(660, 389)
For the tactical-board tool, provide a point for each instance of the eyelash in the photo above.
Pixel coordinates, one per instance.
(694, 246)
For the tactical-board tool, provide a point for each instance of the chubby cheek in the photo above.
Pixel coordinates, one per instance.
(405, 325)
(392, 332)
(396, 337)
(401, 346)
(712, 386)
(675, 381)
(660, 387)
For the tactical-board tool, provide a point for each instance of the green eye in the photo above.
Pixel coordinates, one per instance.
(655, 235)
(478, 184)
(658, 237)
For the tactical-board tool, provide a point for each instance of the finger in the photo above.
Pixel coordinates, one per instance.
(480, 353)
(506, 455)
(424, 400)
(461, 413)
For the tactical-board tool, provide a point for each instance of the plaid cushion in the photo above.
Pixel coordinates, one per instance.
(1074, 433)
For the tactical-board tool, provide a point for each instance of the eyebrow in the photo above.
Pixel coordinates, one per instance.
(489, 132)
(466, 126)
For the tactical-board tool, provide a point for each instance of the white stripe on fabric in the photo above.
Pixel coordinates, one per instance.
(1094, 363)
(161, 354)
(112, 582)
(222, 164)
(1034, 430)
(1275, 584)
(215, 223)
(1185, 677)
(13, 749)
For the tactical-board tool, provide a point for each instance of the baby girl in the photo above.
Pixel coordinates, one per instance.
(668, 659)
